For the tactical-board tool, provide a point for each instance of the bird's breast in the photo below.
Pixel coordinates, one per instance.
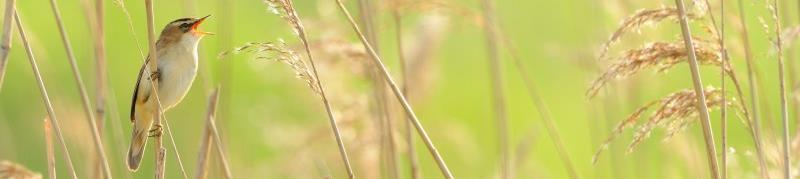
(177, 68)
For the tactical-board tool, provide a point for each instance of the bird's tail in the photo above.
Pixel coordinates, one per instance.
(139, 137)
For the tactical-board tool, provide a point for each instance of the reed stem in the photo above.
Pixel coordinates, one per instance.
(44, 95)
(398, 94)
(755, 124)
(87, 107)
(495, 70)
(708, 135)
(412, 151)
(5, 41)
(787, 172)
(51, 156)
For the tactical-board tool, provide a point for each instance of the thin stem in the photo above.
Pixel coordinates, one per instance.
(541, 106)
(5, 41)
(100, 77)
(412, 151)
(398, 94)
(755, 124)
(87, 107)
(215, 133)
(175, 149)
(45, 97)
(205, 145)
(698, 88)
(328, 109)
(51, 156)
(151, 37)
(495, 70)
(724, 107)
(784, 106)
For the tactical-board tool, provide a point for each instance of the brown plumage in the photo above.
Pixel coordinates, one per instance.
(176, 51)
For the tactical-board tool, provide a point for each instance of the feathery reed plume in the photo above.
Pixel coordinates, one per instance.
(102, 160)
(398, 93)
(11, 170)
(674, 113)
(5, 41)
(711, 150)
(280, 52)
(205, 145)
(755, 123)
(285, 9)
(413, 161)
(660, 55)
(51, 156)
(539, 103)
(45, 97)
(495, 72)
(782, 80)
(642, 17)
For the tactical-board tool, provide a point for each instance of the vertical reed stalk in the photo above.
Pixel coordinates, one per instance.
(723, 109)
(495, 70)
(398, 93)
(160, 156)
(541, 106)
(100, 66)
(784, 106)
(755, 124)
(301, 33)
(215, 133)
(5, 41)
(412, 153)
(205, 145)
(51, 156)
(100, 76)
(45, 97)
(711, 151)
(102, 161)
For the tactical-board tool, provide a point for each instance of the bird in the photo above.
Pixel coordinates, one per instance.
(176, 51)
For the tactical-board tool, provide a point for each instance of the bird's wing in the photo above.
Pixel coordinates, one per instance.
(136, 91)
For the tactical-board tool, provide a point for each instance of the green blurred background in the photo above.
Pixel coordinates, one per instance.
(268, 118)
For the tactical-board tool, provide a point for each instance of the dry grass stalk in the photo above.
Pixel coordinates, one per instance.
(160, 156)
(413, 161)
(398, 93)
(205, 145)
(101, 80)
(541, 106)
(708, 135)
(51, 156)
(641, 18)
(674, 113)
(755, 123)
(719, 34)
(499, 103)
(660, 55)
(13, 170)
(782, 79)
(102, 160)
(5, 41)
(45, 97)
(285, 9)
(215, 133)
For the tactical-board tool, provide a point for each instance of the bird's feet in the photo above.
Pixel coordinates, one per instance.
(156, 131)
(155, 75)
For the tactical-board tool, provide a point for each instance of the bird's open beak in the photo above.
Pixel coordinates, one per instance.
(197, 24)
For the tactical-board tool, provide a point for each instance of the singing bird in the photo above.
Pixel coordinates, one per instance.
(176, 51)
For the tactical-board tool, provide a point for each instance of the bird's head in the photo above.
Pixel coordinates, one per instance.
(184, 30)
